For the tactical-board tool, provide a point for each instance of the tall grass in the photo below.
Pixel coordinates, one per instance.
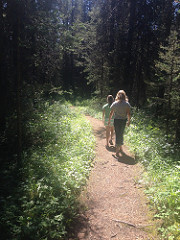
(91, 107)
(54, 169)
(162, 177)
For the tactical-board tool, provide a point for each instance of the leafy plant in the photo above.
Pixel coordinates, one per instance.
(53, 171)
(160, 158)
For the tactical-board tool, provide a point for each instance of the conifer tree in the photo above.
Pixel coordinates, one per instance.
(169, 74)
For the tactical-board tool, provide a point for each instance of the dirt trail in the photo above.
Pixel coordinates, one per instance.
(116, 207)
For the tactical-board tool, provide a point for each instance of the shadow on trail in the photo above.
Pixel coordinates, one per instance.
(80, 229)
(100, 132)
(125, 159)
(79, 225)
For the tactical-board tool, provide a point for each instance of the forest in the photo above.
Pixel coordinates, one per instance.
(53, 52)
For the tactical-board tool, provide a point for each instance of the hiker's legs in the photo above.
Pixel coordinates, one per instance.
(107, 135)
(119, 125)
(111, 134)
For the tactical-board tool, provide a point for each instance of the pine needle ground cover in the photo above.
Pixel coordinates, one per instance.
(53, 171)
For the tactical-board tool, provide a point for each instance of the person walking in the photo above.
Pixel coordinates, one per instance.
(121, 111)
(109, 127)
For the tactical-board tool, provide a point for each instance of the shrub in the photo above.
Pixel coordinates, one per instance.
(160, 158)
(54, 170)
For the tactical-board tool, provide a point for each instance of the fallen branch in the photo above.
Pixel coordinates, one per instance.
(129, 224)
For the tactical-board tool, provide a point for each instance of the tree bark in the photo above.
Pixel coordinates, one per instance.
(18, 95)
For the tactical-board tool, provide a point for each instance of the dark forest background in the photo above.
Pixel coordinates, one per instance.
(87, 48)
(80, 51)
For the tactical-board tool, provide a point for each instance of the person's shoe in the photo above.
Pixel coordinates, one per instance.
(117, 155)
(107, 146)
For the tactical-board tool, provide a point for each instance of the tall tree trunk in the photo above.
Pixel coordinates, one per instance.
(130, 66)
(2, 74)
(102, 77)
(160, 103)
(18, 96)
(177, 137)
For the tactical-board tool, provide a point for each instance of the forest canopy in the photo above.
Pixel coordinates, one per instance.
(88, 48)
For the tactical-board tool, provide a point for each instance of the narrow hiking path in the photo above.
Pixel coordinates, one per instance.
(115, 206)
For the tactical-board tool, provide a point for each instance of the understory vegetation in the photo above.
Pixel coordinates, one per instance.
(160, 158)
(39, 200)
(162, 176)
(86, 48)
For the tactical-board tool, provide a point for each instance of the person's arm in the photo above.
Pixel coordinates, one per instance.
(110, 116)
(129, 117)
(103, 114)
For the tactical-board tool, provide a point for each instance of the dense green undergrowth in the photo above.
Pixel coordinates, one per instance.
(91, 107)
(161, 161)
(162, 176)
(43, 203)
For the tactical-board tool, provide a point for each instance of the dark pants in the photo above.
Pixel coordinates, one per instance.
(119, 126)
